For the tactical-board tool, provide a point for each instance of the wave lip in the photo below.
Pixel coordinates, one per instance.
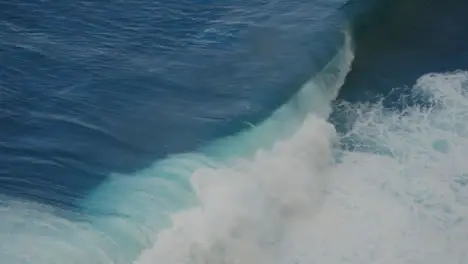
(146, 200)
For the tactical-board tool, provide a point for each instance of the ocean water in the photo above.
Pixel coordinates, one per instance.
(234, 132)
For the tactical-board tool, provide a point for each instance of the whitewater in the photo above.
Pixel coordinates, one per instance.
(289, 190)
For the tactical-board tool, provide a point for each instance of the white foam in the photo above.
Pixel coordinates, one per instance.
(294, 205)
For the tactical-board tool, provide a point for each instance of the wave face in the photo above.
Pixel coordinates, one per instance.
(351, 147)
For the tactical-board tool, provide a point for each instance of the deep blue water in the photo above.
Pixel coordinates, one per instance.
(90, 89)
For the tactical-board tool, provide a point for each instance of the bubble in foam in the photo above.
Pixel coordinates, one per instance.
(293, 204)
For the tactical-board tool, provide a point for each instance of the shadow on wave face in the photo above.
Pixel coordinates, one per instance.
(399, 43)
(403, 42)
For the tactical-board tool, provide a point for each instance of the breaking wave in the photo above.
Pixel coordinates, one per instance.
(390, 188)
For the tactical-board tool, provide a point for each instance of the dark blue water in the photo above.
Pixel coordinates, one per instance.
(93, 88)
(90, 88)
